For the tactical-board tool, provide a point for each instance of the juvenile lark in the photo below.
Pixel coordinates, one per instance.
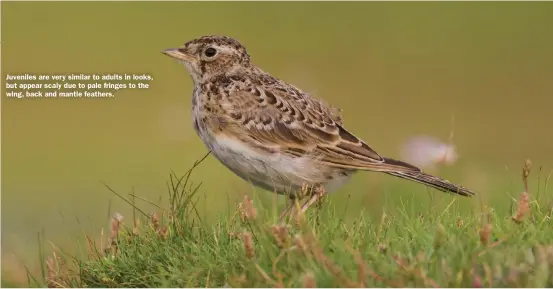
(273, 134)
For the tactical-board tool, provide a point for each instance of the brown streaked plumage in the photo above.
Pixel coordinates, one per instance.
(272, 133)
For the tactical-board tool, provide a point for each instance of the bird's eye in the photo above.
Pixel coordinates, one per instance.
(210, 52)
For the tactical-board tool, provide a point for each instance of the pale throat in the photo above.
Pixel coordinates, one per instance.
(193, 71)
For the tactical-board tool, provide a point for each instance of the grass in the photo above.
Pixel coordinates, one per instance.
(510, 247)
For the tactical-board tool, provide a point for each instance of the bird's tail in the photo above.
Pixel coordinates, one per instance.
(407, 171)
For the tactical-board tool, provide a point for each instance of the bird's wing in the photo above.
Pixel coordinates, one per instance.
(285, 120)
(282, 119)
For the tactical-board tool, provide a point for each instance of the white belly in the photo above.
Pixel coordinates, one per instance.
(273, 172)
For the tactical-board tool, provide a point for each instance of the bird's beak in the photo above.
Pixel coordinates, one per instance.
(177, 53)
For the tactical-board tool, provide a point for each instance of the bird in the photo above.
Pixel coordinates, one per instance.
(275, 135)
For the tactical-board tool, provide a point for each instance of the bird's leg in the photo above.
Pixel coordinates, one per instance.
(316, 196)
(289, 207)
(293, 198)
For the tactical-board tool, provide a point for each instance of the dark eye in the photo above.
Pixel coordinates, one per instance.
(210, 52)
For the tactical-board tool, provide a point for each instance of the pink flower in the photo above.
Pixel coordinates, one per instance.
(427, 152)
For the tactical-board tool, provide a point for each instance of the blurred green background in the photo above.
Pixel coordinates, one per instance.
(397, 70)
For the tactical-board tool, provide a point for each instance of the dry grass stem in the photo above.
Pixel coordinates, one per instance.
(91, 248)
(523, 208)
(300, 243)
(485, 233)
(115, 227)
(54, 276)
(163, 233)
(363, 271)
(116, 221)
(235, 235)
(247, 210)
(419, 272)
(248, 245)
(525, 173)
(155, 221)
(280, 233)
(331, 267)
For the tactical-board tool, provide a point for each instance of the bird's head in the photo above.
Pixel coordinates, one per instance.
(209, 56)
